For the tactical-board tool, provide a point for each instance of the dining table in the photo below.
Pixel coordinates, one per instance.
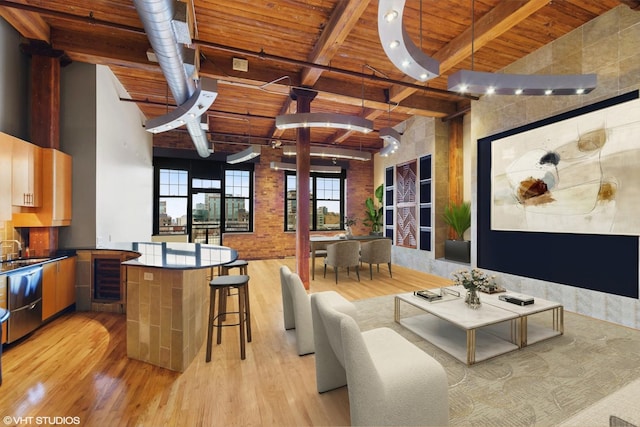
(321, 242)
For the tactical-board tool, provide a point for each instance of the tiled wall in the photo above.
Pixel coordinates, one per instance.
(607, 46)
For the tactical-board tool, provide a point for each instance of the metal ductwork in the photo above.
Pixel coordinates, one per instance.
(157, 17)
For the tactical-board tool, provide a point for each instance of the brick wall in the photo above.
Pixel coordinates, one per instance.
(268, 240)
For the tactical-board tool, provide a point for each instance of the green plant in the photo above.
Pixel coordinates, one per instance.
(350, 220)
(458, 217)
(374, 211)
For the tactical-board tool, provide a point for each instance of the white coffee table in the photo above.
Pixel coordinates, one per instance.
(530, 333)
(471, 336)
(455, 328)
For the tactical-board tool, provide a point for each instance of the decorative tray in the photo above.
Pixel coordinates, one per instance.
(437, 295)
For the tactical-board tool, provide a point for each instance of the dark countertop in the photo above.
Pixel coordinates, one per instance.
(22, 263)
(175, 255)
(162, 255)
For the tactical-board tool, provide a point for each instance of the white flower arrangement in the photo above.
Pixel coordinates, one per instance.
(474, 279)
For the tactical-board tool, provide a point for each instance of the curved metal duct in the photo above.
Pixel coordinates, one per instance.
(157, 17)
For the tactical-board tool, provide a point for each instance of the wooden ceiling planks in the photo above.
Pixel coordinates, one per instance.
(340, 34)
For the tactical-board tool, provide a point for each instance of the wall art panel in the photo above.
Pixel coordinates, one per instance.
(406, 228)
(556, 198)
(578, 175)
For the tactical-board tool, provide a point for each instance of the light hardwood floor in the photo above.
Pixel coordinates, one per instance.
(76, 366)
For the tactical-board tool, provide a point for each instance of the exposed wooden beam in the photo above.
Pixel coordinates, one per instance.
(506, 15)
(500, 19)
(633, 4)
(29, 24)
(343, 19)
(94, 49)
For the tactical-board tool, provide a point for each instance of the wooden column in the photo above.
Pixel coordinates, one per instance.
(45, 101)
(45, 122)
(456, 175)
(303, 100)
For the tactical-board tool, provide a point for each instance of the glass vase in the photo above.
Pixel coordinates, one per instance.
(348, 233)
(472, 299)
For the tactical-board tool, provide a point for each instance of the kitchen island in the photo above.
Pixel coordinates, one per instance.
(167, 300)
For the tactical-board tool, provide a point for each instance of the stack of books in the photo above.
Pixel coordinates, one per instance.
(428, 295)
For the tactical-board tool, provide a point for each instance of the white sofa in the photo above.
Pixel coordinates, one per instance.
(296, 309)
(390, 380)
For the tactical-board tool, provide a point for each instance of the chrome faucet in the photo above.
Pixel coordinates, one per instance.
(10, 241)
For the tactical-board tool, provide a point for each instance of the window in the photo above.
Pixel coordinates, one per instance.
(202, 199)
(173, 198)
(237, 190)
(327, 201)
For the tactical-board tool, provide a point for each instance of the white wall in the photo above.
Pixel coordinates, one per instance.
(124, 168)
(78, 139)
(112, 160)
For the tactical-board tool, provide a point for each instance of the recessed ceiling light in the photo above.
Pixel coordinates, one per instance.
(390, 15)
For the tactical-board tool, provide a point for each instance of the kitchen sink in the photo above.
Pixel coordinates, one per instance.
(17, 263)
(28, 261)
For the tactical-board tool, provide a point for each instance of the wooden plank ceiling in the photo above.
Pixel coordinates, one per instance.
(331, 46)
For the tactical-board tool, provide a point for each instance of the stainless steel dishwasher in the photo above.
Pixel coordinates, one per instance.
(24, 302)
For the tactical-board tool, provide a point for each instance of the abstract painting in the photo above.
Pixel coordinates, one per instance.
(406, 205)
(579, 175)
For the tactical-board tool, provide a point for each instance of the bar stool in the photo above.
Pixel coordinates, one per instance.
(4, 316)
(222, 285)
(239, 263)
(224, 270)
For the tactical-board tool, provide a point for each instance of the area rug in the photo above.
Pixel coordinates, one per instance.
(542, 384)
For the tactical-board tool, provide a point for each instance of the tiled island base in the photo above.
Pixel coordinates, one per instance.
(166, 314)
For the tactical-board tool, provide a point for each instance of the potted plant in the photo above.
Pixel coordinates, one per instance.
(458, 217)
(374, 212)
(349, 221)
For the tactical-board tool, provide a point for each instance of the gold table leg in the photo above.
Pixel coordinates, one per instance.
(396, 310)
(471, 346)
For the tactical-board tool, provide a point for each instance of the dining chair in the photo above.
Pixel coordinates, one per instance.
(343, 254)
(376, 252)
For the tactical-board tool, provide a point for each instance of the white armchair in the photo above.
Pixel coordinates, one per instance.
(390, 380)
(376, 252)
(343, 254)
(296, 310)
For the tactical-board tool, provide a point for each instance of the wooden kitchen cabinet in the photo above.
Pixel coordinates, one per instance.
(58, 286)
(26, 160)
(55, 210)
(66, 289)
(6, 146)
(49, 285)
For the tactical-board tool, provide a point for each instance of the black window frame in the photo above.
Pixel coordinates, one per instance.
(205, 169)
(314, 201)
